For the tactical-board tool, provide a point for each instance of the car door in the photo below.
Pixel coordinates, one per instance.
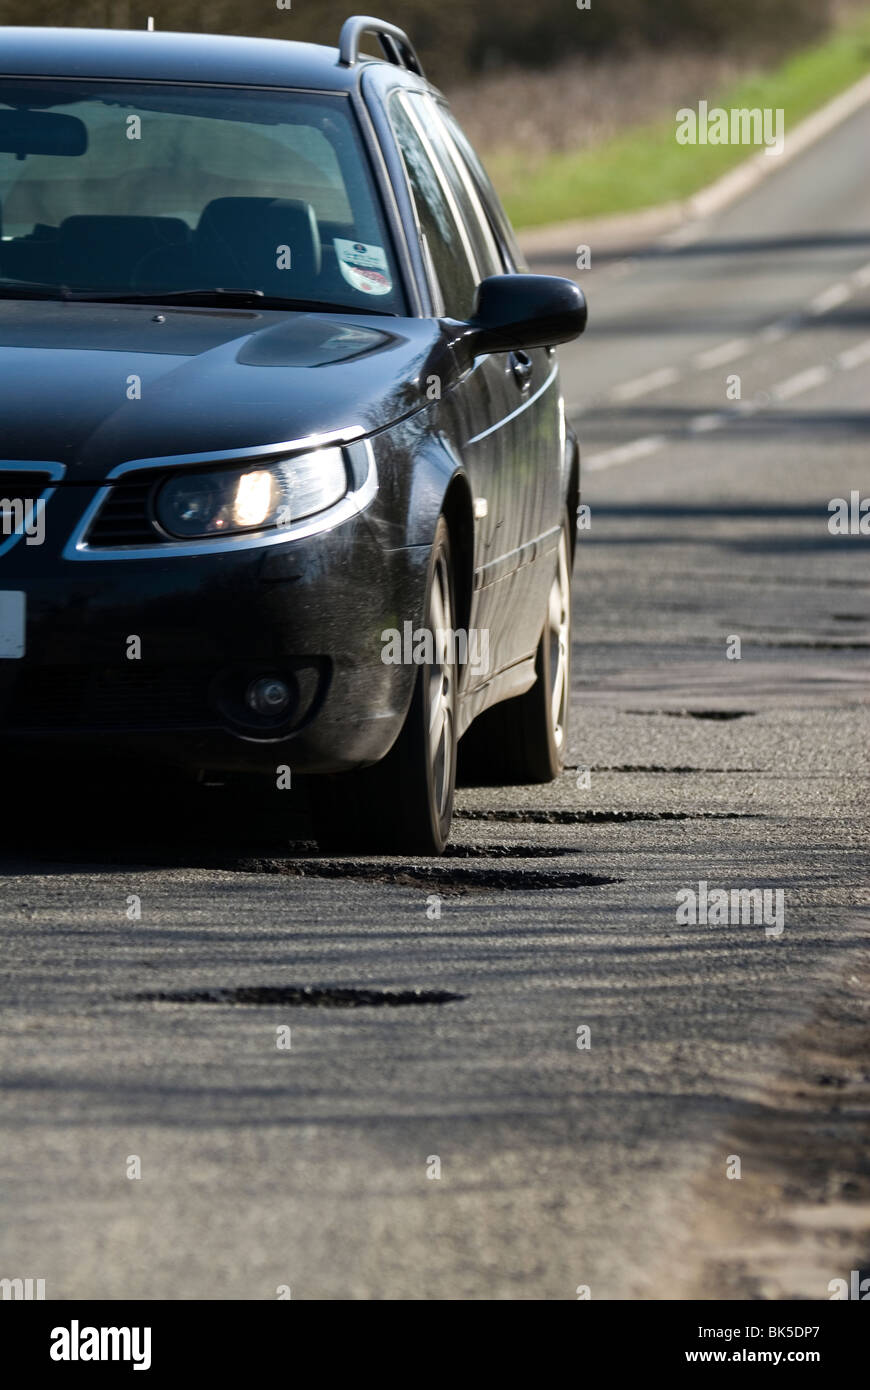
(474, 410)
(535, 425)
(529, 427)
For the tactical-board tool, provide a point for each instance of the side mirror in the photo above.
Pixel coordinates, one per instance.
(512, 312)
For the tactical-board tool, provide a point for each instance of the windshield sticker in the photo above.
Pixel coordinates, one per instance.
(364, 267)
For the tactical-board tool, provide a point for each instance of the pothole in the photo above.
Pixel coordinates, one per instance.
(590, 818)
(696, 713)
(657, 767)
(301, 996)
(818, 646)
(436, 875)
(503, 851)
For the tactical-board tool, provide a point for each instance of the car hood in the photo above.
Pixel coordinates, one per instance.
(95, 385)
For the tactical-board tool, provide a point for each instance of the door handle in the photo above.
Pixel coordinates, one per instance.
(522, 367)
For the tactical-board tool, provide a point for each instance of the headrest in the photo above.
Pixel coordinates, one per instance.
(138, 233)
(271, 244)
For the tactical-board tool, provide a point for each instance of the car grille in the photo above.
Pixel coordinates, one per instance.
(72, 697)
(123, 518)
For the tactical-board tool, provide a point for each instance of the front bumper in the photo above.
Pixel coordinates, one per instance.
(151, 656)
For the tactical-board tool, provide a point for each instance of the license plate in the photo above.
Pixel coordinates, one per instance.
(13, 606)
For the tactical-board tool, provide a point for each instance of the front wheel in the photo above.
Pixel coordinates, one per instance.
(524, 739)
(404, 804)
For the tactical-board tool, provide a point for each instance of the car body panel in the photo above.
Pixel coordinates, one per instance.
(208, 379)
(106, 392)
(164, 56)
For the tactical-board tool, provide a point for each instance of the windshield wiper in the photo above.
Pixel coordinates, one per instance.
(218, 298)
(206, 298)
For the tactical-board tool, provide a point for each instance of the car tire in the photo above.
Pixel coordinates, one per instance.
(404, 804)
(524, 740)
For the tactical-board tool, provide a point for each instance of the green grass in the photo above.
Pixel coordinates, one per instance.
(645, 166)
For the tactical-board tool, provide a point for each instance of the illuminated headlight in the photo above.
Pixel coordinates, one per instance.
(219, 504)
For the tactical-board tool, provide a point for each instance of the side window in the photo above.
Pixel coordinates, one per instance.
(477, 224)
(443, 234)
(511, 254)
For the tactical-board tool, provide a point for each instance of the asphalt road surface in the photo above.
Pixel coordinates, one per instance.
(475, 1146)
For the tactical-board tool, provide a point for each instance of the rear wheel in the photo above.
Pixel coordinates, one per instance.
(524, 739)
(404, 804)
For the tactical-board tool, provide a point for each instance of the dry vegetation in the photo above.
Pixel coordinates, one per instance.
(582, 102)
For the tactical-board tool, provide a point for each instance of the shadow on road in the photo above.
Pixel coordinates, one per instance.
(766, 422)
(658, 323)
(725, 247)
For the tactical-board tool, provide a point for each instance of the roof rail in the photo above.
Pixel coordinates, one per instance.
(395, 44)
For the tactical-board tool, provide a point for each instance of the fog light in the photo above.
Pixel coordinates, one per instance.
(268, 696)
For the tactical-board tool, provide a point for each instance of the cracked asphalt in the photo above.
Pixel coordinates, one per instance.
(307, 1159)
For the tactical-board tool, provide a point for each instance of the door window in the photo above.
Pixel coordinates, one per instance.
(511, 255)
(480, 233)
(443, 234)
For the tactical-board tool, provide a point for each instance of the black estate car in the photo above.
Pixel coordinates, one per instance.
(286, 485)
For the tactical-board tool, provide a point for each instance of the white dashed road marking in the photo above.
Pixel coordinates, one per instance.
(725, 352)
(705, 423)
(775, 332)
(653, 381)
(802, 381)
(830, 298)
(853, 357)
(626, 453)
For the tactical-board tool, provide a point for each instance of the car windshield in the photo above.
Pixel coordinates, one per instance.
(132, 188)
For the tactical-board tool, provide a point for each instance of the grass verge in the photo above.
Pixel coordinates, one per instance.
(645, 166)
